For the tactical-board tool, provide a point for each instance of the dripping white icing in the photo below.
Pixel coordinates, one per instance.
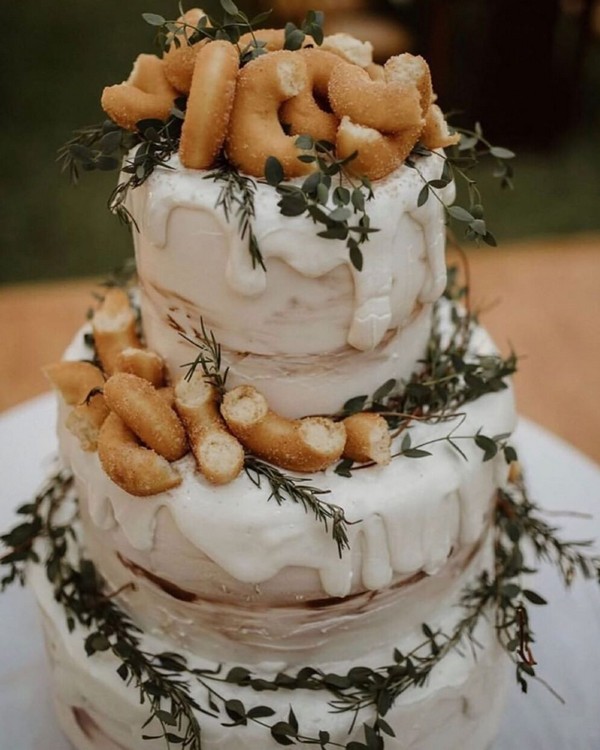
(295, 242)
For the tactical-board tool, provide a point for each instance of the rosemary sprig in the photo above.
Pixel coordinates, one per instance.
(284, 488)
(459, 163)
(237, 199)
(209, 358)
(329, 196)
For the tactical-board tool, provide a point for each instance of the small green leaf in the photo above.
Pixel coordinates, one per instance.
(354, 405)
(460, 214)
(534, 598)
(383, 391)
(274, 173)
(230, 7)
(356, 257)
(502, 153)
(153, 19)
(415, 453)
(423, 196)
(305, 142)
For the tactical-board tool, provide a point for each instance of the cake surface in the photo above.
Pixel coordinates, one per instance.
(287, 470)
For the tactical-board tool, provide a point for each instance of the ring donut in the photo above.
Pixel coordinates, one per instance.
(388, 106)
(349, 48)
(306, 445)
(305, 113)
(74, 380)
(147, 414)
(179, 60)
(411, 70)
(272, 40)
(436, 133)
(147, 94)
(378, 155)
(114, 326)
(218, 454)
(209, 105)
(138, 470)
(255, 132)
(367, 439)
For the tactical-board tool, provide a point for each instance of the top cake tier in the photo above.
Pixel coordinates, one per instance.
(309, 330)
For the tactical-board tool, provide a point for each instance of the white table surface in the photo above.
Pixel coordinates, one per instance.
(567, 631)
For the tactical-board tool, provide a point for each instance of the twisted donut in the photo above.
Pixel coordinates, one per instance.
(209, 104)
(147, 414)
(147, 94)
(255, 132)
(368, 439)
(305, 113)
(378, 154)
(307, 445)
(219, 456)
(436, 133)
(138, 470)
(179, 60)
(388, 106)
(114, 328)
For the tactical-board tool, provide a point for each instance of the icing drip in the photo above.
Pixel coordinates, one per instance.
(294, 241)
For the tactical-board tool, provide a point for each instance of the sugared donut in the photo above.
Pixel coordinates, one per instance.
(179, 60)
(350, 49)
(255, 132)
(436, 133)
(209, 105)
(147, 94)
(378, 154)
(411, 70)
(387, 106)
(305, 114)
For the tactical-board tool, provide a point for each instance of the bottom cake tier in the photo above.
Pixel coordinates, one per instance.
(458, 707)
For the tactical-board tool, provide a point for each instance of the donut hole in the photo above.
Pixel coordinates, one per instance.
(323, 102)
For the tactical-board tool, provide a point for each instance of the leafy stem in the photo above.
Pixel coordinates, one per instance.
(341, 210)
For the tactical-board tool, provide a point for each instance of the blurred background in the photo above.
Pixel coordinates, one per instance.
(528, 71)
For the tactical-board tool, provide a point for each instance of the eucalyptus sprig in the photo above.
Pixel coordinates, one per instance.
(230, 25)
(329, 196)
(458, 165)
(104, 146)
(285, 488)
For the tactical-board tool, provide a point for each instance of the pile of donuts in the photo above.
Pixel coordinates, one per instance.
(333, 92)
(141, 425)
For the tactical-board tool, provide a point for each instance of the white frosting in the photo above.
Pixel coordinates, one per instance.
(411, 513)
(460, 706)
(193, 263)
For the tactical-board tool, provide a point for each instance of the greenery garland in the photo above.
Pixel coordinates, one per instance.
(164, 680)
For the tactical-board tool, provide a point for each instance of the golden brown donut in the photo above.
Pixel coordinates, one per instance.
(411, 70)
(273, 39)
(86, 420)
(147, 414)
(209, 104)
(367, 439)
(378, 154)
(387, 106)
(138, 470)
(147, 94)
(436, 133)
(179, 60)
(143, 363)
(74, 380)
(350, 48)
(219, 456)
(114, 328)
(307, 445)
(255, 132)
(305, 113)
